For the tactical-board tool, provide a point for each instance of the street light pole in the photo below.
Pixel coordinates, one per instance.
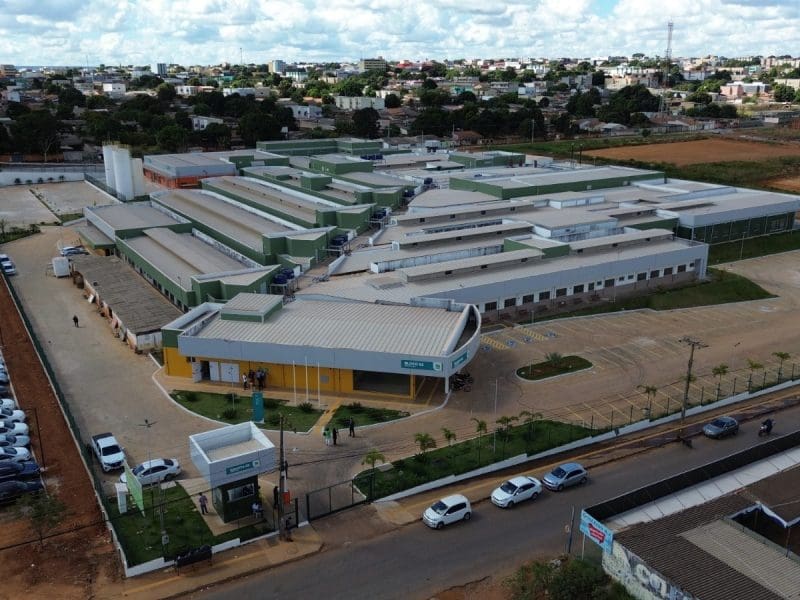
(693, 343)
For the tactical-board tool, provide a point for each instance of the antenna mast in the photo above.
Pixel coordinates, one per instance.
(666, 68)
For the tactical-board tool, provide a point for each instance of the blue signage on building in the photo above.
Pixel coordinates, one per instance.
(252, 464)
(421, 365)
(460, 360)
(597, 532)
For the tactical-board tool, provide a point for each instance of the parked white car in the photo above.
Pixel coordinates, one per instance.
(447, 510)
(516, 490)
(15, 454)
(13, 428)
(154, 471)
(8, 403)
(9, 439)
(15, 416)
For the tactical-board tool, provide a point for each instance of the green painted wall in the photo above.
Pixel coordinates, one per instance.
(320, 165)
(187, 298)
(308, 247)
(169, 337)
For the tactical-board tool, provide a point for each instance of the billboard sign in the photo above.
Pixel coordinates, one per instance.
(597, 532)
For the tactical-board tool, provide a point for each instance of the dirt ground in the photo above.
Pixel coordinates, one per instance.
(790, 184)
(700, 151)
(78, 553)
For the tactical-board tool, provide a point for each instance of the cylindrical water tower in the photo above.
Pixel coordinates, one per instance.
(138, 177)
(108, 163)
(123, 176)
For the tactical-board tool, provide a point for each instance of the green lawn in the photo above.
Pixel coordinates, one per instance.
(468, 455)
(364, 415)
(721, 287)
(570, 148)
(140, 536)
(752, 247)
(219, 407)
(550, 368)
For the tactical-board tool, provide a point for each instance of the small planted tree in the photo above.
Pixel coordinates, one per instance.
(480, 429)
(506, 423)
(753, 366)
(529, 417)
(449, 435)
(650, 391)
(425, 442)
(782, 357)
(554, 358)
(719, 371)
(373, 456)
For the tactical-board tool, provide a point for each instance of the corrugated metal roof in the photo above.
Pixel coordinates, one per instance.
(253, 302)
(357, 326)
(132, 215)
(662, 545)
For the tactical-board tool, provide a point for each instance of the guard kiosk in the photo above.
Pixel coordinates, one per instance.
(231, 459)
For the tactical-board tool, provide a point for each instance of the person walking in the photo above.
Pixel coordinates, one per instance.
(75, 320)
(203, 501)
(335, 435)
(326, 435)
(352, 426)
(244, 381)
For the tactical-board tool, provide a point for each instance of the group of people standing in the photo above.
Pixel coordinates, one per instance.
(331, 435)
(255, 379)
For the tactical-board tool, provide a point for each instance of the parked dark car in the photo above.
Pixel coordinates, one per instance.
(10, 469)
(721, 427)
(11, 490)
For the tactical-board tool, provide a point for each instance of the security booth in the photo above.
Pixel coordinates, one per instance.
(231, 459)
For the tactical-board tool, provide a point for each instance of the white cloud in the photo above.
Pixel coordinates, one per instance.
(44, 32)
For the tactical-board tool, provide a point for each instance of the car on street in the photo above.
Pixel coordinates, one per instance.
(10, 469)
(4, 380)
(721, 427)
(13, 428)
(20, 441)
(446, 511)
(154, 471)
(11, 490)
(516, 490)
(8, 403)
(12, 415)
(16, 454)
(564, 476)
(7, 264)
(73, 250)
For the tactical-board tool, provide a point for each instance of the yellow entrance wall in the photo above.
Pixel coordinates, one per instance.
(286, 377)
(176, 364)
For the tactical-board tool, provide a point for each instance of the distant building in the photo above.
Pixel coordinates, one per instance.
(161, 69)
(115, 90)
(8, 71)
(359, 102)
(240, 91)
(276, 66)
(199, 123)
(372, 64)
(305, 111)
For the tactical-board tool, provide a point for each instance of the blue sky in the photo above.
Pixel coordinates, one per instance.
(57, 32)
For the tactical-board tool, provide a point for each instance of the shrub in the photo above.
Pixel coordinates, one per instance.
(229, 413)
(40, 180)
(273, 419)
(49, 179)
(190, 396)
(17, 181)
(306, 407)
(355, 407)
(271, 403)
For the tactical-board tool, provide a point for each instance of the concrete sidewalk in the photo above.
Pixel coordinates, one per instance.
(226, 566)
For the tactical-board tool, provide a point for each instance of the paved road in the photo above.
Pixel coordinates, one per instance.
(415, 562)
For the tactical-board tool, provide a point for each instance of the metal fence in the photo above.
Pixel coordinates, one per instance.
(333, 498)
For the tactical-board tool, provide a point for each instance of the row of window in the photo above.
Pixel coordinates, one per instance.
(582, 288)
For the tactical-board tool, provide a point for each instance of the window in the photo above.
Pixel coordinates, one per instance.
(490, 306)
(484, 266)
(578, 289)
(591, 286)
(561, 292)
(422, 220)
(609, 283)
(452, 216)
(510, 302)
(630, 277)
(681, 268)
(529, 299)
(580, 251)
(654, 274)
(667, 271)
(483, 212)
(448, 272)
(621, 278)
(641, 276)
(544, 296)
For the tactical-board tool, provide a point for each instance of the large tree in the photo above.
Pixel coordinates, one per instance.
(255, 126)
(365, 123)
(36, 132)
(172, 138)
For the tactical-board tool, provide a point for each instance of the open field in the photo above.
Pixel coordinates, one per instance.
(699, 151)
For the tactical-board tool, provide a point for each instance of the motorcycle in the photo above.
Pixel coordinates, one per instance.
(766, 428)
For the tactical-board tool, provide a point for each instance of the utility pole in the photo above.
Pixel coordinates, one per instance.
(693, 343)
(282, 534)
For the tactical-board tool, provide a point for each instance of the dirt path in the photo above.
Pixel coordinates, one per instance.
(68, 565)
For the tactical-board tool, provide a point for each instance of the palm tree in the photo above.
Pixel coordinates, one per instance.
(505, 423)
(753, 366)
(719, 371)
(425, 442)
(781, 356)
(480, 428)
(651, 391)
(554, 358)
(449, 435)
(372, 457)
(530, 417)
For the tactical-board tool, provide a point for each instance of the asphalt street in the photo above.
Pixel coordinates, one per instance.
(416, 562)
